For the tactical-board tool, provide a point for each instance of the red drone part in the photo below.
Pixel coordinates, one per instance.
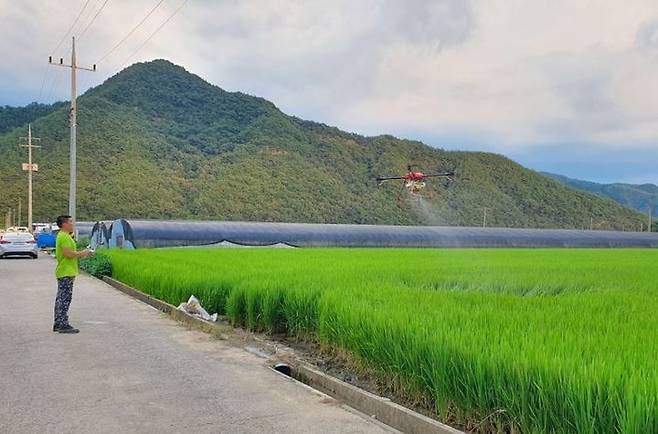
(415, 176)
(414, 181)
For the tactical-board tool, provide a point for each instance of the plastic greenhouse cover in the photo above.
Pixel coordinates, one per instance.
(164, 233)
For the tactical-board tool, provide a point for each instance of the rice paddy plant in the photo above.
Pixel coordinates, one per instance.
(540, 341)
(236, 307)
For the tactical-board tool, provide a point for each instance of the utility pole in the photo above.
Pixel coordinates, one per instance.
(30, 168)
(650, 219)
(73, 123)
(484, 217)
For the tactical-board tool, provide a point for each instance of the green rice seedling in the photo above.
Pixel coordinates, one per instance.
(273, 314)
(236, 307)
(254, 300)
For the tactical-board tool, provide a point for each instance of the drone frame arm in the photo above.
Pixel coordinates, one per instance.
(389, 178)
(441, 175)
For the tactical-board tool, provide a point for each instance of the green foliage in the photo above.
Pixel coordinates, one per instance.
(82, 243)
(537, 340)
(14, 117)
(98, 265)
(155, 141)
(640, 197)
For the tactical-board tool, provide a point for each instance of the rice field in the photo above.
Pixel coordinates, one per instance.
(511, 340)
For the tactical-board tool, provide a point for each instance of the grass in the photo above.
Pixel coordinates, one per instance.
(536, 341)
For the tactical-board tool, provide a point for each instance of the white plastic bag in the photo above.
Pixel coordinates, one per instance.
(193, 307)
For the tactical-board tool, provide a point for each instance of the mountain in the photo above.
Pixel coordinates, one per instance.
(637, 196)
(155, 141)
(14, 117)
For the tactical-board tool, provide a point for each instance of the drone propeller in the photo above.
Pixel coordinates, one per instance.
(382, 179)
(448, 175)
(445, 174)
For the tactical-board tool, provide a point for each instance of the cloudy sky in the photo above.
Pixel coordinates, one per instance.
(565, 86)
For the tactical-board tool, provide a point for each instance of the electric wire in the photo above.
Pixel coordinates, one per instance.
(93, 19)
(156, 31)
(43, 83)
(72, 25)
(54, 83)
(130, 33)
(45, 72)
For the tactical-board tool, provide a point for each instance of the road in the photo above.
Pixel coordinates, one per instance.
(132, 369)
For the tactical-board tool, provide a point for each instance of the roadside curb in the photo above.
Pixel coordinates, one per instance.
(382, 409)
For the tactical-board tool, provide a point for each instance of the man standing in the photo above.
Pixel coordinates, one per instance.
(65, 272)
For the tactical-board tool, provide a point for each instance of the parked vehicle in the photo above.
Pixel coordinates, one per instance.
(46, 240)
(18, 244)
(37, 228)
(20, 229)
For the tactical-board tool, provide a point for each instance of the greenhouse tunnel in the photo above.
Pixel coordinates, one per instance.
(131, 234)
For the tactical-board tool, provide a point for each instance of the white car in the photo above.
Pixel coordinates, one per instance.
(40, 227)
(18, 244)
(21, 229)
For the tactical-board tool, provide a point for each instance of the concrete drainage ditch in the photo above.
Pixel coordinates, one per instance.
(284, 369)
(382, 409)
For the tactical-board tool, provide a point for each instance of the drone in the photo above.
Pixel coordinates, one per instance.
(414, 180)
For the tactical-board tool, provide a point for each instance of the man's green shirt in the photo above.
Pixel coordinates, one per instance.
(66, 267)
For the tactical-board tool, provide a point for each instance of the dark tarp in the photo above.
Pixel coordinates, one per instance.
(100, 234)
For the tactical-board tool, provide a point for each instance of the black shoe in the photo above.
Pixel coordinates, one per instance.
(66, 329)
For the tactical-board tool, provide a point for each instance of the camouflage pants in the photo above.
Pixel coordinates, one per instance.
(63, 300)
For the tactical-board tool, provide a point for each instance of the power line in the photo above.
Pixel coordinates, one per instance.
(93, 19)
(52, 85)
(156, 31)
(89, 25)
(45, 72)
(130, 33)
(72, 25)
(43, 83)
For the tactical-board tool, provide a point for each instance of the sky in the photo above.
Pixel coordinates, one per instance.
(569, 87)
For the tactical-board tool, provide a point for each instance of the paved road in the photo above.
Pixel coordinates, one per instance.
(131, 369)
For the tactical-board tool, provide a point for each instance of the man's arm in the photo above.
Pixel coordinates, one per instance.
(69, 253)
